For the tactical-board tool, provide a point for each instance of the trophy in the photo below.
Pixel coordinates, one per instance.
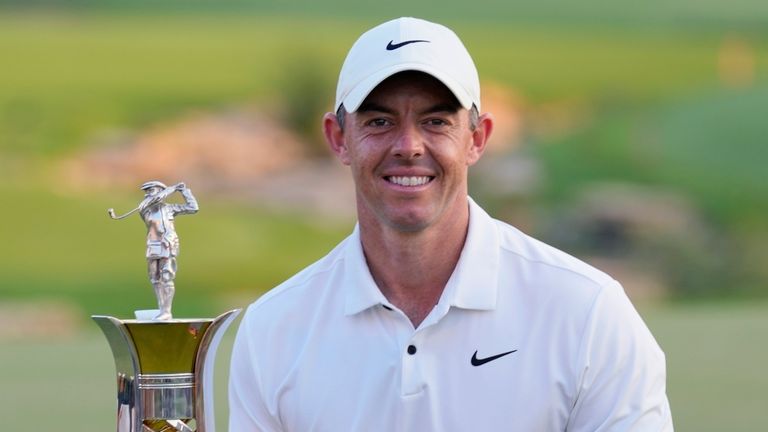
(164, 365)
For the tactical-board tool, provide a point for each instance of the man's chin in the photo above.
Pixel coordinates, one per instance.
(411, 222)
(409, 216)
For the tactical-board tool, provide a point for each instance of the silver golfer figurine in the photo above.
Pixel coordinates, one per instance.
(162, 240)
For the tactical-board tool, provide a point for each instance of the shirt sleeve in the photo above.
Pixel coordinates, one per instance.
(248, 409)
(623, 371)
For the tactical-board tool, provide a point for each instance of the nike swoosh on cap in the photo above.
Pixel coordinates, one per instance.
(479, 362)
(393, 46)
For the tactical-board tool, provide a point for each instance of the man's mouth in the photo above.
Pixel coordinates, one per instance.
(409, 180)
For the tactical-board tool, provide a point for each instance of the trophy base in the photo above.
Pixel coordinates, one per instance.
(146, 314)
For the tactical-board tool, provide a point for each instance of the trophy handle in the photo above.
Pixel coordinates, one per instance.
(127, 367)
(204, 369)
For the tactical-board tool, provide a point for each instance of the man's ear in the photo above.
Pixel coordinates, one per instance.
(334, 136)
(480, 138)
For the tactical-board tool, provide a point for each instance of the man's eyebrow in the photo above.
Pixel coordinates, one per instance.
(442, 107)
(373, 107)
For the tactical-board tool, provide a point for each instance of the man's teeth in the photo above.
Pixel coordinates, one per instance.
(409, 181)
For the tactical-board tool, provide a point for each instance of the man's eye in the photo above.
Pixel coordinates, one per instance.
(436, 122)
(378, 122)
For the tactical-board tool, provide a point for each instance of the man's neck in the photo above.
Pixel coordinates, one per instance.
(411, 269)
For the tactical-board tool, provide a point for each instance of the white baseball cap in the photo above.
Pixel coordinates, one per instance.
(407, 44)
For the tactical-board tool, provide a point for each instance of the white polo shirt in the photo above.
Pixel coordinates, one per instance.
(524, 338)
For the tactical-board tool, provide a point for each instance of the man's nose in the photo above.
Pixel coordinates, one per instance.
(409, 144)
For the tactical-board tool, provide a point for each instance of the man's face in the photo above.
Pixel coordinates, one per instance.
(409, 146)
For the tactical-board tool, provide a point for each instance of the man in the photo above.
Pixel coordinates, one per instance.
(432, 316)
(162, 240)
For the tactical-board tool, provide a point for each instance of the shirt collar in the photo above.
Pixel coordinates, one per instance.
(361, 290)
(473, 284)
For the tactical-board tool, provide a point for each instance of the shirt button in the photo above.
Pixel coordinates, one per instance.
(411, 349)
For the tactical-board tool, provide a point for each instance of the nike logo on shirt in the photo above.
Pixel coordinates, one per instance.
(479, 362)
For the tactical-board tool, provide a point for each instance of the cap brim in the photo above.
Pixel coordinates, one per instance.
(357, 95)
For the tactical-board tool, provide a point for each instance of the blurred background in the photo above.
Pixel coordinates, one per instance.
(631, 134)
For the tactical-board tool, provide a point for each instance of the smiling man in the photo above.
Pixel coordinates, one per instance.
(431, 315)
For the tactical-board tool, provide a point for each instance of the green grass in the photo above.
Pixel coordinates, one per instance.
(68, 76)
(738, 13)
(710, 147)
(655, 108)
(656, 112)
(715, 362)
